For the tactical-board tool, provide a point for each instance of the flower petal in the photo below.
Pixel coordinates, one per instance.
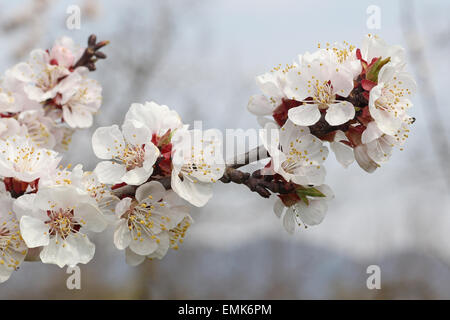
(136, 132)
(152, 189)
(34, 232)
(109, 172)
(339, 113)
(136, 176)
(92, 217)
(289, 220)
(260, 105)
(133, 259)
(304, 115)
(122, 235)
(278, 207)
(198, 194)
(107, 141)
(313, 213)
(70, 251)
(363, 159)
(163, 246)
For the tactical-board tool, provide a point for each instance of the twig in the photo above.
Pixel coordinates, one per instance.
(91, 53)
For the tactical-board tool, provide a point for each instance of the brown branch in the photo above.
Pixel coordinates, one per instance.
(91, 53)
(256, 154)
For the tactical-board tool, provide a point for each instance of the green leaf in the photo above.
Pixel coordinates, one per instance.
(304, 199)
(374, 70)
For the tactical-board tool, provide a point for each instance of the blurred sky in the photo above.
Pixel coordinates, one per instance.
(208, 74)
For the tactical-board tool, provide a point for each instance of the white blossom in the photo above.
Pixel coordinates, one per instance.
(22, 160)
(12, 247)
(40, 128)
(197, 164)
(79, 98)
(158, 119)
(40, 77)
(146, 226)
(376, 146)
(310, 212)
(296, 154)
(374, 47)
(10, 127)
(13, 98)
(272, 85)
(65, 52)
(131, 152)
(317, 82)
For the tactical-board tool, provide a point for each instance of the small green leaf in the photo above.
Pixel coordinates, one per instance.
(374, 70)
(304, 199)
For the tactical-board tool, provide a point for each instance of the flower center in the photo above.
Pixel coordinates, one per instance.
(144, 222)
(132, 156)
(322, 93)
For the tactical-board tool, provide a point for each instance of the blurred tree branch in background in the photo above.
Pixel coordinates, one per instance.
(416, 50)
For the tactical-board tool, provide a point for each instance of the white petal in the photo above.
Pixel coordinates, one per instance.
(132, 258)
(260, 105)
(60, 196)
(136, 132)
(313, 213)
(109, 172)
(339, 113)
(5, 272)
(122, 235)
(380, 150)
(106, 141)
(263, 121)
(327, 191)
(153, 189)
(142, 245)
(122, 206)
(343, 153)
(371, 133)
(269, 85)
(24, 206)
(77, 118)
(136, 176)
(92, 217)
(304, 115)
(341, 80)
(163, 246)
(198, 194)
(278, 207)
(363, 159)
(289, 221)
(309, 175)
(70, 251)
(151, 155)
